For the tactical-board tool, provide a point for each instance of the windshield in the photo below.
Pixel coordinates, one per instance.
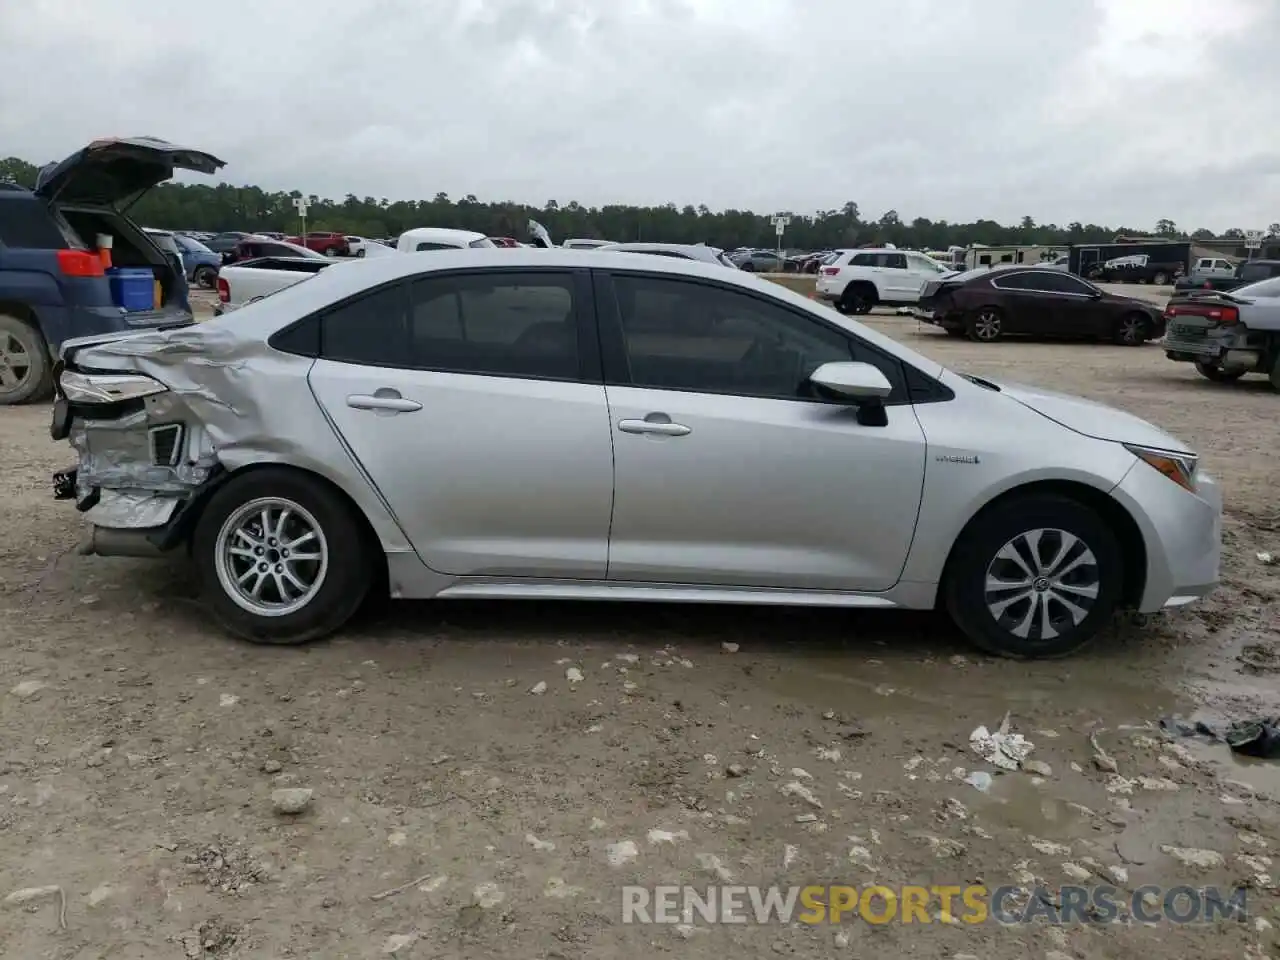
(1253, 272)
(1263, 288)
(970, 275)
(191, 245)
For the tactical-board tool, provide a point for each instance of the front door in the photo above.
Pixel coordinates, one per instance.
(472, 403)
(729, 469)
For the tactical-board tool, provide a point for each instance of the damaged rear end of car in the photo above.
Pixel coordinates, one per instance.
(145, 458)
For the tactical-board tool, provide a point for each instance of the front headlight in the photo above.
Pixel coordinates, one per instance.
(107, 387)
(1178, 467)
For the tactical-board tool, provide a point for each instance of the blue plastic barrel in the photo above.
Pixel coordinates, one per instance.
(132, 288)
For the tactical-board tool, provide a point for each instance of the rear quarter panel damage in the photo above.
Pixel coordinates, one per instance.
(243, 403)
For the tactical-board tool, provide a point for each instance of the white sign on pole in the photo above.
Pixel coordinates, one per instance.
(302, 205)
(1253, 239)
(780, 223)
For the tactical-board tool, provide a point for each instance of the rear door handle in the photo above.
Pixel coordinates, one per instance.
(659, 428)
(388, 400)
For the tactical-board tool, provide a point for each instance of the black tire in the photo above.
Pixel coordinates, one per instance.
(1132, 330)
(986, 325)
(857, 299)
(1274, 376)
(976, 554)
(348, 568)
(1215, 373)
(1161, 279)
(205, 277)
(748, 267)
(331, 251)
(26, 372)
(360, 254)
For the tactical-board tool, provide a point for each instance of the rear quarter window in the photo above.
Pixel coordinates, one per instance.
(25, 223)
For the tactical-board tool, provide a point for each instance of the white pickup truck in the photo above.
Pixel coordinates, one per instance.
(250, 280)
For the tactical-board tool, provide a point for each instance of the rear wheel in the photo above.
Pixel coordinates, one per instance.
(360, 253)
(205, 277)
(1211, 371)
(330, 251)
(1034, 577)
(986, 325)
(26, 374)
(281, 557)
(1160, 279)
(1133, 330)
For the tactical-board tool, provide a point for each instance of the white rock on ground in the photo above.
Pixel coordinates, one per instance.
(291, 800)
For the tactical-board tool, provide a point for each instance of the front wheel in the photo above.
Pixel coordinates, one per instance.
(1035, 577)
(281, 557)
(1211, 371)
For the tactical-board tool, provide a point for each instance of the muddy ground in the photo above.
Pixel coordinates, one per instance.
(139, 748)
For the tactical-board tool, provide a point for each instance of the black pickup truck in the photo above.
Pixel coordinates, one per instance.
(1136, 268)
(1250, 271)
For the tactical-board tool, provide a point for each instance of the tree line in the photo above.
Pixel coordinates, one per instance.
(181, 206)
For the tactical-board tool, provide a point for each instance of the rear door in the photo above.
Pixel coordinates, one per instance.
(1027, 306)
(897, 284)
(474, 402)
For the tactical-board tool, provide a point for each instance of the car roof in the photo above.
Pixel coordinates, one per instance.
(418, 234)
(637, 247)
(360, 275)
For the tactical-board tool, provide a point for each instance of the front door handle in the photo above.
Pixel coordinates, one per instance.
(661, 428)
(384, 399)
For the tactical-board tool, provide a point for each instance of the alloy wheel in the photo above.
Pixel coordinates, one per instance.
(1041, 584)
(271, 557)
(987, 325)
(1132, 330)
(15, 364)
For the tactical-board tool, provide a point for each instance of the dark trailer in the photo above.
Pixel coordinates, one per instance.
(1084, 255)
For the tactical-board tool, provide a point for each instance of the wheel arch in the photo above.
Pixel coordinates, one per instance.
(182, 529)
(1133, 547)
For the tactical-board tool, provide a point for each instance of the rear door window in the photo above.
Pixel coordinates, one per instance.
(496, 324)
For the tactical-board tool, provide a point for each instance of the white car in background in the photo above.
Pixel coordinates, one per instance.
(858, 280)
(680, 251)
(362, 247)
(442, 238)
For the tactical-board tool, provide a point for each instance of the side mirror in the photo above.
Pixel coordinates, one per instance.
(857, 381)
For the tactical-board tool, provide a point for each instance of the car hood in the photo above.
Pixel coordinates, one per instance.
(108, 171)
(1092, 419)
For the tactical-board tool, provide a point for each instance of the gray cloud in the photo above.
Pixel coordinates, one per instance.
(1113, 111)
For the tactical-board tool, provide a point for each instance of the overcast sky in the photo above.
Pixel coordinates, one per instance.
(1107, 111)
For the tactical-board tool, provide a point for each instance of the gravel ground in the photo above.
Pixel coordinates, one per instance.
(455, 757)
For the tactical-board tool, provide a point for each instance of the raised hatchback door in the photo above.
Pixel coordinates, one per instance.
(729, 469)
(464, 400)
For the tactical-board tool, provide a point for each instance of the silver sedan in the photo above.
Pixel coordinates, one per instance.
(561, 424)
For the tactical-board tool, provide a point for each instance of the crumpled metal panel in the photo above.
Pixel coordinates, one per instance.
(243, 402)
(116, 454)
(119, 509)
